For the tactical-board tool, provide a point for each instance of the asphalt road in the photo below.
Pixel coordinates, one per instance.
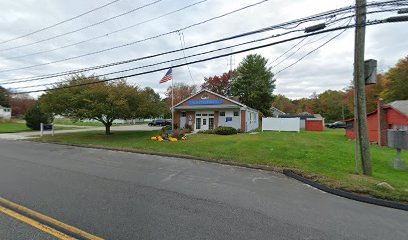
(11, 228)
(117, 195)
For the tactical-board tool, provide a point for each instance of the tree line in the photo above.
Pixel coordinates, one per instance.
(251, 83)
(338, 105)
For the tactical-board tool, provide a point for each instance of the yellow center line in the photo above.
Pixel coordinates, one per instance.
(44, 218)
(36, 224)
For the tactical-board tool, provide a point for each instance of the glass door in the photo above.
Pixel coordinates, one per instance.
(198, 123)
(211, 123)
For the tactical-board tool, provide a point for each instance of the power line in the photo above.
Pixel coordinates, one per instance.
(298, 49)
(295, 45)
(314, 50)
(109, 33)
(131, 43)
(59, 23)
(83, 28)
(173, 60)
(183, 44)
(132, 60)
(206, 59)
(314, 17)
(301, 20)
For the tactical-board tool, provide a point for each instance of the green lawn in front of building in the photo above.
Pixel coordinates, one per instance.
(13, 127)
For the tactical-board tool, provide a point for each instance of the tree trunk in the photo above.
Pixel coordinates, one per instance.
(107, 128)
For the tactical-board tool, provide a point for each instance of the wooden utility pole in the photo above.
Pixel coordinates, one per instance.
(359, 86)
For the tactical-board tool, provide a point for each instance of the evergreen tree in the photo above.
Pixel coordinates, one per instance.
(35, 116)
(254, 83)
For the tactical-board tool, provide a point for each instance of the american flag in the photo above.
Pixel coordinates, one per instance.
(167, 77)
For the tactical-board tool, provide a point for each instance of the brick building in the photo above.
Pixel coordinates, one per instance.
(208, 110)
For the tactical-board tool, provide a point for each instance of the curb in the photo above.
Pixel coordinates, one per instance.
(349, 195)
(286, 172)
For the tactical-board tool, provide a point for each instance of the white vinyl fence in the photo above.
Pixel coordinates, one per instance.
(281, 124)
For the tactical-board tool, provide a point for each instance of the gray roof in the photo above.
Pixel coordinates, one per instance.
(400, 105)
(275, 109)
(301, 116)
(1, 107)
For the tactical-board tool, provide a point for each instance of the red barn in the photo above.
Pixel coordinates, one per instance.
(390, 116)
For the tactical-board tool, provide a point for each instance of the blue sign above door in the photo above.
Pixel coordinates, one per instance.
(204, 102)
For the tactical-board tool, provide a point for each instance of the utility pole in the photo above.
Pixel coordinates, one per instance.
(359, 86)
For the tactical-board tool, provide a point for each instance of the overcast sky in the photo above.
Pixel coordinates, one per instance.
(330, 67)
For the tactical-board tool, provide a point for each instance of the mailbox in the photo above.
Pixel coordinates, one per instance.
(47, 127)
(397, 138)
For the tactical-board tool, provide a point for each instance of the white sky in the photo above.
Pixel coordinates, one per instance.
(328, 68)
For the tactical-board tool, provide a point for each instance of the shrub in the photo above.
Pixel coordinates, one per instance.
(34, 117)
(179, 133)
(189, 128)
(239, 130)
(225, 130)
(206, 131)
(168, 127)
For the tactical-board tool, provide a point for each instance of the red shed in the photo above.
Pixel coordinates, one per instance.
(390, 116)
(316, 125)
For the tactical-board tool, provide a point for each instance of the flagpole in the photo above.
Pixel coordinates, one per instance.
(172, 104)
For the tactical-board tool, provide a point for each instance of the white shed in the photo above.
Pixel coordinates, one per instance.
(5, 113)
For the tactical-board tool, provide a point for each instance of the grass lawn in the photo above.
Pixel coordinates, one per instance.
(13, 127)
(326, 157)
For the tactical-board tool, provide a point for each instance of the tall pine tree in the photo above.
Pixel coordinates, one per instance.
(254, 83)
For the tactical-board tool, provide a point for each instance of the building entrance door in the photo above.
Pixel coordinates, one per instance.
(204, 121)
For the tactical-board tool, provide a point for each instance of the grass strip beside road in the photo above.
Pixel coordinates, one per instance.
(13, 127)
(326, 157)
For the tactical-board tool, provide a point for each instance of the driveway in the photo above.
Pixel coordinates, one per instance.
(27, 135)
(119, 195)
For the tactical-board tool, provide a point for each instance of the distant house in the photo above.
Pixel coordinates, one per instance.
(276, 112)
(207, 110)
(5, 113)
(389, 116)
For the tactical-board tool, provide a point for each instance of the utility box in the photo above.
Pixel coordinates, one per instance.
(397, 139)
(370, 71)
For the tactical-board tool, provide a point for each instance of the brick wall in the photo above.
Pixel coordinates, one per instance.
(216, 118)
(243, 120)
(177, 119)
(192, 114)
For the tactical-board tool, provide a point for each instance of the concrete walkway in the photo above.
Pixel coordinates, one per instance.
(33, 134)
